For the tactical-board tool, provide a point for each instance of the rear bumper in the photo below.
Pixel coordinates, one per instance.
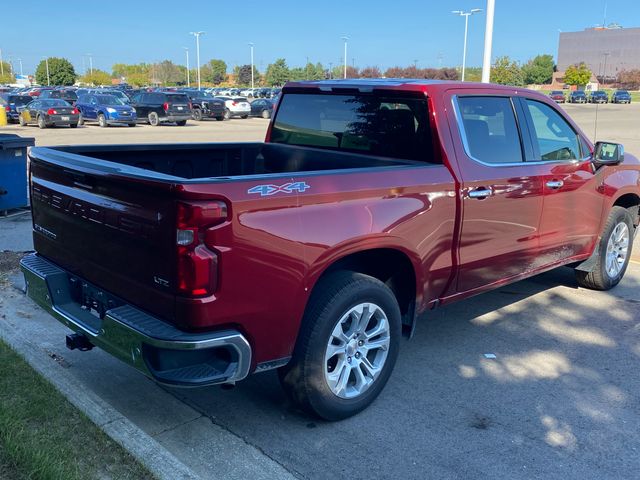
(176, 117)
(155, 348)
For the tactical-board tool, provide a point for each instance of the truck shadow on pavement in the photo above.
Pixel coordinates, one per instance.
(558, 400)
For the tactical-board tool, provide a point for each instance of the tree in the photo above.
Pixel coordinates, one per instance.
(214, 71)
(313, 72)
(578, 74)
(243, 75)
(370, 72)
(277, 73)
(539, 70)
(167, 72)
(98, 77)
(7, 74)
(629, 79)
(61, 72)
(505, 71)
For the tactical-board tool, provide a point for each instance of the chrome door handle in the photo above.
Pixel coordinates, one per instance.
(480, 193)
(555, 184)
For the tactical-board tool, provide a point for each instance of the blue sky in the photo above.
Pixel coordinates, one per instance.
(381, 33)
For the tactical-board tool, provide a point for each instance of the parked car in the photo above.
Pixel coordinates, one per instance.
(49, 113)
(205, 105)
(67, 95)
(577, 96)
(119, 94)
(158, 107)
(105, 109)
(557, 96)
(370, 204)
(236, 107)
(598, 96)
(13, 104)
(621, 96)
(262, 107)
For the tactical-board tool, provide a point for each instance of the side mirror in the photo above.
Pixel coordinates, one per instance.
(608, 153)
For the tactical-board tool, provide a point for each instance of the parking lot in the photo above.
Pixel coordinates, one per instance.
(558, 400)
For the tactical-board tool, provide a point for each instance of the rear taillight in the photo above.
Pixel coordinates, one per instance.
(165, 106)
(52, 111)
(190, 105)
(7, 108)
(75, 111)
(197, 265)
(234, 104)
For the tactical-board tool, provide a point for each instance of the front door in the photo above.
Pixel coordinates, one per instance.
(501, 195)
(572, 203)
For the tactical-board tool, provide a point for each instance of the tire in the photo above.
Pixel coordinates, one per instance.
(227, 114)
(102, 120)
(41, 122)
(153, 118)
(607, 272)
(80, 120)
(196, 114)
(244, 116)
(21, 121)
(266, 114)
(181, 123)
(132, 124)
(219, 119)
(73, 125)
(306, 378)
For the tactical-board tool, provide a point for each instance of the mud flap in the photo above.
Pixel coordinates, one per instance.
(589, 263)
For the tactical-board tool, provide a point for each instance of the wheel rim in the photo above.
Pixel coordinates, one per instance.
(357, 350)
(617, 250)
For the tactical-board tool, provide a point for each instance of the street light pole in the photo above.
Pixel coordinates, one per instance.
(488, 39)
(604, 73)
(251, 45)
(46, 62)
(1, 65)
(188, 75)
(345, 38)
(21, 72)
(466, 16)
(90, 55)
(197, 35)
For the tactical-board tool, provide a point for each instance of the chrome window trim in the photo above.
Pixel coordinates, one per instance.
(467, 151)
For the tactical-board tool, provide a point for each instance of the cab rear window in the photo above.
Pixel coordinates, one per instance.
(373, 124)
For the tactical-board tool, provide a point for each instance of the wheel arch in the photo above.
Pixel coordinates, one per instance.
(630, 201)
(393, 266)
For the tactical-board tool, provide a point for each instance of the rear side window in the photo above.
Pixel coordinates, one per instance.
(489, 129)
(372, 124)
(177, 99)
(552, 135)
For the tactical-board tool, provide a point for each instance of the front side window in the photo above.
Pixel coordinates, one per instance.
(552, 135)
(374, 124)
(490, 129)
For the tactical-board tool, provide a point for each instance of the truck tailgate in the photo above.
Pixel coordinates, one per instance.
(109, 229)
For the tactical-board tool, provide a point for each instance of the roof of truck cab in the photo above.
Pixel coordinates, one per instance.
(368, 84)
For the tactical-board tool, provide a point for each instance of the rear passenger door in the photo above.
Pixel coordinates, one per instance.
(572, 203)
(501, 195)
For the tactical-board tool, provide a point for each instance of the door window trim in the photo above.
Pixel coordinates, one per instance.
(463, 133)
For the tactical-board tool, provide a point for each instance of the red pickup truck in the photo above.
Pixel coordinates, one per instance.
(371, 202)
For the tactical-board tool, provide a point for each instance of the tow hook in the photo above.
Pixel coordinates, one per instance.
(79, 341)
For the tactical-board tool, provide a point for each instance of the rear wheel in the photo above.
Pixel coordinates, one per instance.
(132, 124)
(21, 121)
(80, 120)
(181, 123)
(196, 114)
(614, 252)
(73, 125)
(347, 347)
(220, 118)
(41, 122)
(266, 114)
(154, 120)
(244, 116)
(102, 120)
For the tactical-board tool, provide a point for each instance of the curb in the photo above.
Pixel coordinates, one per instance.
(160, 462)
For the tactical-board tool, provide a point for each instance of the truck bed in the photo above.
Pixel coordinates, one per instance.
(214, 160)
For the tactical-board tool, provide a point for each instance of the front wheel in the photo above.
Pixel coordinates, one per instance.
(227, 114)
(196, 114)
(41, 122)
(21, 121)
(347, 346)
(102, 120)
(266, 114)
(614, 252)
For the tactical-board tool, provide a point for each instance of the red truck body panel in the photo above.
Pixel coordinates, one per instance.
(273, 249)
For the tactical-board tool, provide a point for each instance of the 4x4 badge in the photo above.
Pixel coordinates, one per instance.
(291, 187)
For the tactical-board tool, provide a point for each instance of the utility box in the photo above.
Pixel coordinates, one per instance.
(13, 171)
